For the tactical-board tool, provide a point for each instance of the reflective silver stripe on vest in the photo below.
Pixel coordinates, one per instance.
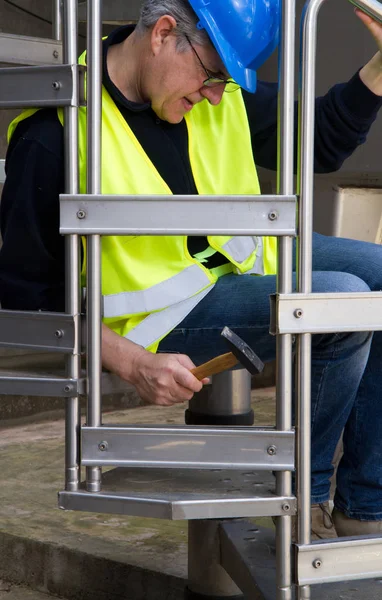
(159, 296)
(241, 247)
(157, 325)
(258, 267)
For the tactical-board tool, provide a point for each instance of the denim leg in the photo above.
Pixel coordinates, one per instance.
(338, 360)
(359, 477)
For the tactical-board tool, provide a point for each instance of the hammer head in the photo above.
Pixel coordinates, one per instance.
(243, 352)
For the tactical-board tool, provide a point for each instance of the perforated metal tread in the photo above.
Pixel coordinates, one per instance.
(182, 494)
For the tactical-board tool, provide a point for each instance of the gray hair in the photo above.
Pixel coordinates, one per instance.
(181, 11)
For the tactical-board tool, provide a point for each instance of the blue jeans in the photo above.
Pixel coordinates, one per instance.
(346, 367)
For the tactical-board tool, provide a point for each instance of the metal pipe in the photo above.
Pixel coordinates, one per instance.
(94, 107)
(57, 21)
(285, 184)
(229, 397)
(206, 577)
(305, 215)
(72, 261)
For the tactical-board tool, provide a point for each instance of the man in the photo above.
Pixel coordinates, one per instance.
(169, 126)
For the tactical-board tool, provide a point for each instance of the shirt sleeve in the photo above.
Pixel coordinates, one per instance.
(32, 254)
(343, 119)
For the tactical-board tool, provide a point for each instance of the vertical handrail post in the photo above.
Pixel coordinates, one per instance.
(305, 216)
(94, 107)
(57, 19)
(72, 253)
(285, 185)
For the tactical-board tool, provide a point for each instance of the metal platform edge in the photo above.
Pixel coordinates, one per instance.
(176, 510)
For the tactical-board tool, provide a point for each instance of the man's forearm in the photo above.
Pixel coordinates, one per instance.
(371, 74)
(119, 355)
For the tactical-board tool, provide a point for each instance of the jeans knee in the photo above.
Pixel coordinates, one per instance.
(346, 283)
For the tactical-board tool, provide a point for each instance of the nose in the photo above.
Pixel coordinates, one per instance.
(213, 94)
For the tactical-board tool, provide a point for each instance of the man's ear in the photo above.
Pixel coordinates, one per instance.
(161, 32)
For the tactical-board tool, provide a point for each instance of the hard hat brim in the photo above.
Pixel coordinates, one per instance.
(246, 78)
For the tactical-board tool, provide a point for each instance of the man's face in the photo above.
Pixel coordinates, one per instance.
(178, 83)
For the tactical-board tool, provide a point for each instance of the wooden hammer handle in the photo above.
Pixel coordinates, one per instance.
(216, 365)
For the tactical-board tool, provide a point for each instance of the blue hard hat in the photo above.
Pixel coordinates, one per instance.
(244, 32)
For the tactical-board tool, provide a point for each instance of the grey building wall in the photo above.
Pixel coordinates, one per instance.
(16, 22)
(343, 47)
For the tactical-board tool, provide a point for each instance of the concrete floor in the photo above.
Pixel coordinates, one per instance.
(89, 556)
(17, 592)
(61, 552)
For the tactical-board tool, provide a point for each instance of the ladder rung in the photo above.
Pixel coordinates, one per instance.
(326, 313)
(177, 215)
(22, 87)
(14, 385)
(339, 560)
(37, 330)
(24, 50)
(188, 447)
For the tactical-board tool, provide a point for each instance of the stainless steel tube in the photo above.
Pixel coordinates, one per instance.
(94, 107)
(305, 183)
(57, 20)
(72, 266)
(206, 577)
(229, 397)
(284, 285)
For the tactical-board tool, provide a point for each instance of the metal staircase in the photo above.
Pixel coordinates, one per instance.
(209, 475)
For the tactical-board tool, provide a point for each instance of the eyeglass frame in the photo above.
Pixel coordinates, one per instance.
(212, 80)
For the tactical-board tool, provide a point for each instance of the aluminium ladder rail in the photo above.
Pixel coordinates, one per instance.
(271, 215)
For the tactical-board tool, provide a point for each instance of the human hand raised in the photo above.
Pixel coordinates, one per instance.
(371, 73)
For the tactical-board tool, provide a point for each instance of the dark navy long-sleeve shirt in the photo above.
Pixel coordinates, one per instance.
(32, 255)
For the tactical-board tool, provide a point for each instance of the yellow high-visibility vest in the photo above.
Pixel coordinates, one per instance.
(151, 283)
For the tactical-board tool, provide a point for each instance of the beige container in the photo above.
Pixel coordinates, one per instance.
(351, 212)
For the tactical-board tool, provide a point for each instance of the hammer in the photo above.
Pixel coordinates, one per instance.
(240, 353)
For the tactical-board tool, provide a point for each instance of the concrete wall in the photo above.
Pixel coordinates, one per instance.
(16, 22)
(344, 45)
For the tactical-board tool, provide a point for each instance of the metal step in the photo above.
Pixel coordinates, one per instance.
(57, 85)
(25, 50)
(182, 494)
(29, 374)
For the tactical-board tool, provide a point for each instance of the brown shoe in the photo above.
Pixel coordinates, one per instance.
(322, 527)
(352, 527)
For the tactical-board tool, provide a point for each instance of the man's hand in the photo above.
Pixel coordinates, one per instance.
(163, 379)
(371, 73)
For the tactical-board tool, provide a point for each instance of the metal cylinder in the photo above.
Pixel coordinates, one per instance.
(285, 185)
(72, 252)
(226, 402)
(94, 110)
(207, 580)
(57, 20)
(305, 214)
